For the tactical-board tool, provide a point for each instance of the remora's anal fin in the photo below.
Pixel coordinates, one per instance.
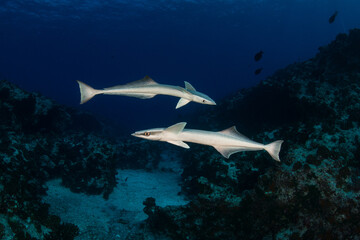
(227, 151)
(179, 143)
(140, 95)
(232, 131)
(182, 102)
(188, 86)
(142, 82)
(176, 128)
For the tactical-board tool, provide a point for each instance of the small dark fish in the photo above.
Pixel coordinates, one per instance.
(126, 179)
(258, 71)
(258, 56)
(332, 18)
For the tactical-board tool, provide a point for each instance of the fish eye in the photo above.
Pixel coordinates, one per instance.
(203, 100)
(147, 134)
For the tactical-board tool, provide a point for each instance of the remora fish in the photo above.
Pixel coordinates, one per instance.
(147, 88)
(226, 142)
(258, 71)
(332, 18)
(258, 55)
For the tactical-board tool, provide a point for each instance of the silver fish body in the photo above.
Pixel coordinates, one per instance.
(226, 142)
(147, 88)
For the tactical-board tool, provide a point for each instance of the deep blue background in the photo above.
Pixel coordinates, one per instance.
(46, 45)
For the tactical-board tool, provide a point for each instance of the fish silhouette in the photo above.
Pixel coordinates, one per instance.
(258, 71)
(258, 56)
(332, 18)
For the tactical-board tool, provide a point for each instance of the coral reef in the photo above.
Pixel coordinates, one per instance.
(313, 193)
(41, 140)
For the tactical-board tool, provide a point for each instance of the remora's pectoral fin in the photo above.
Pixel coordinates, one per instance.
(182, 102)
(176, 128)
(227, 151)
(179, 143)
(189, 87)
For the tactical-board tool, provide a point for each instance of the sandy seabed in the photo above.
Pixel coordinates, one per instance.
(120, 215)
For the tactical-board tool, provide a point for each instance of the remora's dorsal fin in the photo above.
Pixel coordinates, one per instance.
(188, 86)
(227, 151)
(176, 128)
(145, 81)
(232, 131)
(179, 143)
(142, 82)
(182, 102)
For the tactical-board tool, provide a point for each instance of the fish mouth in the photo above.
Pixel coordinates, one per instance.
(138, 134)
(211, 102)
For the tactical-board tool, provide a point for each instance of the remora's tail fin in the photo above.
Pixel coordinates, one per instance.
(86, 92)
(274, 149)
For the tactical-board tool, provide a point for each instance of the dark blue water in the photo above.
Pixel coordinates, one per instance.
(45, 46)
